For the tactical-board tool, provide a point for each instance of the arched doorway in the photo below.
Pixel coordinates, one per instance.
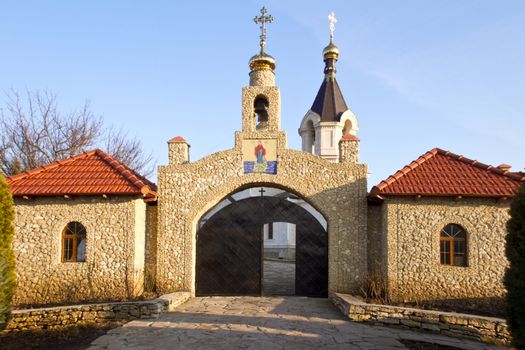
(235, 255)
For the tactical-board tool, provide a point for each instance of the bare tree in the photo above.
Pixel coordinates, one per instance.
(33, 132)
(128, 150)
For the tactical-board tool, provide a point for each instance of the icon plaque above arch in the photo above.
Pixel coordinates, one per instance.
(260, 156)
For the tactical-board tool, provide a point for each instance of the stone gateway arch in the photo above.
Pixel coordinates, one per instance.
(334, 187)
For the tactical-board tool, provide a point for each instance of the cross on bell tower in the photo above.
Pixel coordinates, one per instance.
(330, 125)
(261, 99)
(263, 19)
(333, 21)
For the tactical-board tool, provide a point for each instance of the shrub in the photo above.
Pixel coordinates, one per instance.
(515, 274)
(7, 257)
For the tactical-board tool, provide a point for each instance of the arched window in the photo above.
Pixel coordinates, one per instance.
(260, 107)
(347, 127)
(453, 246)
(74, 242)
(309, 138)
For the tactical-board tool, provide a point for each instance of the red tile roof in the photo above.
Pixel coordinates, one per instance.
(349, 137)
(177, 139)
(442, 173)
(89, 173)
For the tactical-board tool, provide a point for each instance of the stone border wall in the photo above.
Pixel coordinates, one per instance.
(485, 329)
(63, 316)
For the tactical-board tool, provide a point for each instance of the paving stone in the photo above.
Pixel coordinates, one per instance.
(281, 323)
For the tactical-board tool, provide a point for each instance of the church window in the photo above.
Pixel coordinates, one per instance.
(347, 127)
(453, 246)
(260, 107)
(74, 242)
(310, 137)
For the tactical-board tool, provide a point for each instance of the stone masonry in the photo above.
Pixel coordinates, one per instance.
(73, 315)
(114, 264)
(486, 329)
(404, 242)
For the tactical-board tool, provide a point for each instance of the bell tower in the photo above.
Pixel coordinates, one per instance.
(329, 121)
(261, 99)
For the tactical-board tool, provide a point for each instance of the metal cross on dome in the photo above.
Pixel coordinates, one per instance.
(333, 21)
(263, 19)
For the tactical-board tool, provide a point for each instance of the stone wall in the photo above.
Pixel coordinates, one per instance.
(486, 329)
(178, 152)
(188, 191)
(150, 270)
(113, 268)
(349, 151)
(376, 244)
(412, 248)
(74, 315)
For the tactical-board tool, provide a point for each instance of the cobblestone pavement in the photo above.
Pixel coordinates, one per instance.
(279, 278)
(268, 323)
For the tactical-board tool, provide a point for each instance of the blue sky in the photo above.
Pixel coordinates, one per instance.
(418, 74)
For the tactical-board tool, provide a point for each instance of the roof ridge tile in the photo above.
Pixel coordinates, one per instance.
(126, 172)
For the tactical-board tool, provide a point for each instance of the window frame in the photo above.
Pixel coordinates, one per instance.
(74, 236)
(448, 239)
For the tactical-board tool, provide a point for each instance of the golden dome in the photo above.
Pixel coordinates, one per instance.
(331, 51)
(262, 61)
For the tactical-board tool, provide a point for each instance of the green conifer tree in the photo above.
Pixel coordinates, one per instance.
(7, 257)
(515, 274)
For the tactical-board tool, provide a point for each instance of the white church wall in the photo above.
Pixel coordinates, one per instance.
(282, 244)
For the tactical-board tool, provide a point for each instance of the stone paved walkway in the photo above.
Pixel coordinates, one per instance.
(279, 278)
(268, 323)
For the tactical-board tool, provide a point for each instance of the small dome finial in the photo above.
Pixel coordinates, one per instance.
(331, 52)
(262, 61)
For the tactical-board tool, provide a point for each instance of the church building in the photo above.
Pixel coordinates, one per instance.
(89, 228)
